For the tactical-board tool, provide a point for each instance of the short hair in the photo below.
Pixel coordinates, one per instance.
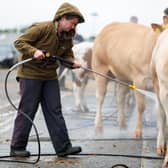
(70, 16)
(166, 11)
(134, 19)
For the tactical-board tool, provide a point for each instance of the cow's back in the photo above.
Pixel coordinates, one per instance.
(124, 48)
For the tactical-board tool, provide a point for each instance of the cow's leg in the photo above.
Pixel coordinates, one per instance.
(76, 92)
(161, 116)
(101, 87)
(162, 145)
(121, 94)
(161, 122)
(77, 87)
(82, 94)
(140, 102)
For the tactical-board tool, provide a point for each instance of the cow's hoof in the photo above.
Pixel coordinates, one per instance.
(86, 110)
(137, 134)
(165, 163)
(99, 130)
(78, 109)
(161, 150)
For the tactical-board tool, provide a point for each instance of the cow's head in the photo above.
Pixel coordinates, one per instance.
(160, 27)
(157, 27)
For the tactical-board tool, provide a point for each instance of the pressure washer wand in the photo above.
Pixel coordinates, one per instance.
(108, 77)
(98, 73)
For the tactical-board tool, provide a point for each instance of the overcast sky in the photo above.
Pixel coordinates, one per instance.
(18, 13)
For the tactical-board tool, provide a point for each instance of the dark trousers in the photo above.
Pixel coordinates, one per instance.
(47, 93)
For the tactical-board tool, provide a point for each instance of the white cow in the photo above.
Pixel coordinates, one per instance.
(82, 53)
(159, 64)
(125, 49)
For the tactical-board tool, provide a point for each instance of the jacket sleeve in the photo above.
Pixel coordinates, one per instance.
(25, 43)
(69, 56)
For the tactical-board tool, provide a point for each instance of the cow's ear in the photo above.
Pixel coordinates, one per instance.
(165, 22)
(156, 27)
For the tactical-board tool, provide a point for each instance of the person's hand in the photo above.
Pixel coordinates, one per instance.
(76, 65)
(39, 55)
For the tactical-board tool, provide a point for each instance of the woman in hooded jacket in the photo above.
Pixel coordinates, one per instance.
(39, 81)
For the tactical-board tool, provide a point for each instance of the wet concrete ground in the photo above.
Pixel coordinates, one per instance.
(98, 150)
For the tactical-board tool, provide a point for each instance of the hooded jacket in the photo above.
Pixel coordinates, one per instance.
(67, 8)
(44, 36)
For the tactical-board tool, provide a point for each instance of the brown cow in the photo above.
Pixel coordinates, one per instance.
(125, 49)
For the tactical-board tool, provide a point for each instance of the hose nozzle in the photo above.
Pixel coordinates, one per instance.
(132, 86)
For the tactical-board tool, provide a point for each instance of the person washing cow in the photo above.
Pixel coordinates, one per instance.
(38, 79)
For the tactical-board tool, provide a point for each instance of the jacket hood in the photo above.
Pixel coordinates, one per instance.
(67, 8)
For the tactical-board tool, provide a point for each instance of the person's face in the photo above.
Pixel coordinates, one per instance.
(67, 25)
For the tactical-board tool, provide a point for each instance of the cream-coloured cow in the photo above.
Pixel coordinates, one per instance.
(125, 49)
(159, 64)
